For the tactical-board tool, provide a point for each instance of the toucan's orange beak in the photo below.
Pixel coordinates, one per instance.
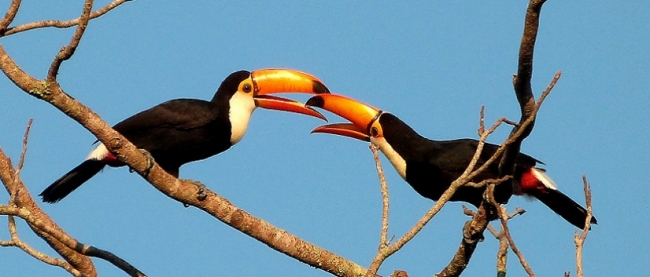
(359, 114)
(270, 81)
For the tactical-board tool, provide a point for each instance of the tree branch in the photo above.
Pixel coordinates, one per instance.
(10, 15)
(57, 23)
(20, 198)
(473, 230)
(503, 216)
(580, 239)
(88, 250)
(17, 242)
(67, 51)
(383, 236)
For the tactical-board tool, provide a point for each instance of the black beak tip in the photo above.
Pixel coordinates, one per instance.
(320, 87)
(315, 101)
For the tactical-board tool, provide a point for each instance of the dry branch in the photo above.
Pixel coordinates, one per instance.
(20, 198)
(10, 15)
(474, 229)
(383, 236)
(55, 23)
(579, 239)
(67, 51)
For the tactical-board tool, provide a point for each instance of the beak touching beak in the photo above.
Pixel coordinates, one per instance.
(270, 81)
(359, 114)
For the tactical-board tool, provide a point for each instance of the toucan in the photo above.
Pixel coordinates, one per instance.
(180, 131)
(431, 166)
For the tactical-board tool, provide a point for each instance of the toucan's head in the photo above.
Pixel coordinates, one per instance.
(248, 90)
(367, 123)
(243, 91)
(364, 119)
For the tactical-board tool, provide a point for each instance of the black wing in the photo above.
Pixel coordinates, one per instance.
(181, 114)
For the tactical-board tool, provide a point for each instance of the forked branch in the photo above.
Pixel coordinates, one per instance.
(523, 90)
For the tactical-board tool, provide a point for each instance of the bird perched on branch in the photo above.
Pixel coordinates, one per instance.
(431, 166)
(180, 131)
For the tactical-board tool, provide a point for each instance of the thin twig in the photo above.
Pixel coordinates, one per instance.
(70, 242)
(67, 51)
(523, 90)
(503, 217)
(481, 121)
(16, 178)
(24, 202)
(10, 15)
(518, 211)
(17, 242)
(384, 196)
(580, 239)
(58, 23)
(502, 253)
(383, 236)
(21, 162)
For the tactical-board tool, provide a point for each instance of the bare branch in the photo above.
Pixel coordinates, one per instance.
(503, 216)
(474, 228)
(17, 242)
(22, 199)
(21, 162)
(502, 254)
(10, 15)
(42, 228)
(580, 239)
(60, 24)
(383, 237)
(66, 52)
(68, 241)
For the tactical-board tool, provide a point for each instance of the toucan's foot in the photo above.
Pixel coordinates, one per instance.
(150, 162)
(200, 193)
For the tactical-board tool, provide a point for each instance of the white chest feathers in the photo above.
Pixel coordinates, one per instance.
(395, 159)
(241, 108)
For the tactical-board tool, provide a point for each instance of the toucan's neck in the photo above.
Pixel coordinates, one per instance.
(399, 141)
(403, 139)
(241, 108)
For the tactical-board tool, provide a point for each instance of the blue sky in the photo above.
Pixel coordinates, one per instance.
(432, 64)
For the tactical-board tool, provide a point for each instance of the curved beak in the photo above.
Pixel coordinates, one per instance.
(360, 115)
(270, 81)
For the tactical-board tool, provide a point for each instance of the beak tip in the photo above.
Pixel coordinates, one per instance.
(319, 87)
(315, 101)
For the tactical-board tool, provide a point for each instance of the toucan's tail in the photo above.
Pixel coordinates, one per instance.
(71, 180)
(564, 206)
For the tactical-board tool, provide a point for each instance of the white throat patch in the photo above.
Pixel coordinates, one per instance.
(241, 108)
(398, 162)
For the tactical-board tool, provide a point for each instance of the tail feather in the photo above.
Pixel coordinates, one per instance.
(564, 207)
(71, 180)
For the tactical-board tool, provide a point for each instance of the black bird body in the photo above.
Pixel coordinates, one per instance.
(180, 131)
(431, 166)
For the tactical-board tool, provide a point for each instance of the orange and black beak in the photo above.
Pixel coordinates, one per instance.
(363, 117)
(271, 81)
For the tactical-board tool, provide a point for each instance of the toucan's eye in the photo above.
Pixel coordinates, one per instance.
(247, 88)
(374, 131)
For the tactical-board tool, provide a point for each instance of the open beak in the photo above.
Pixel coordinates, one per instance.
(360, 115)
(270, 81)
